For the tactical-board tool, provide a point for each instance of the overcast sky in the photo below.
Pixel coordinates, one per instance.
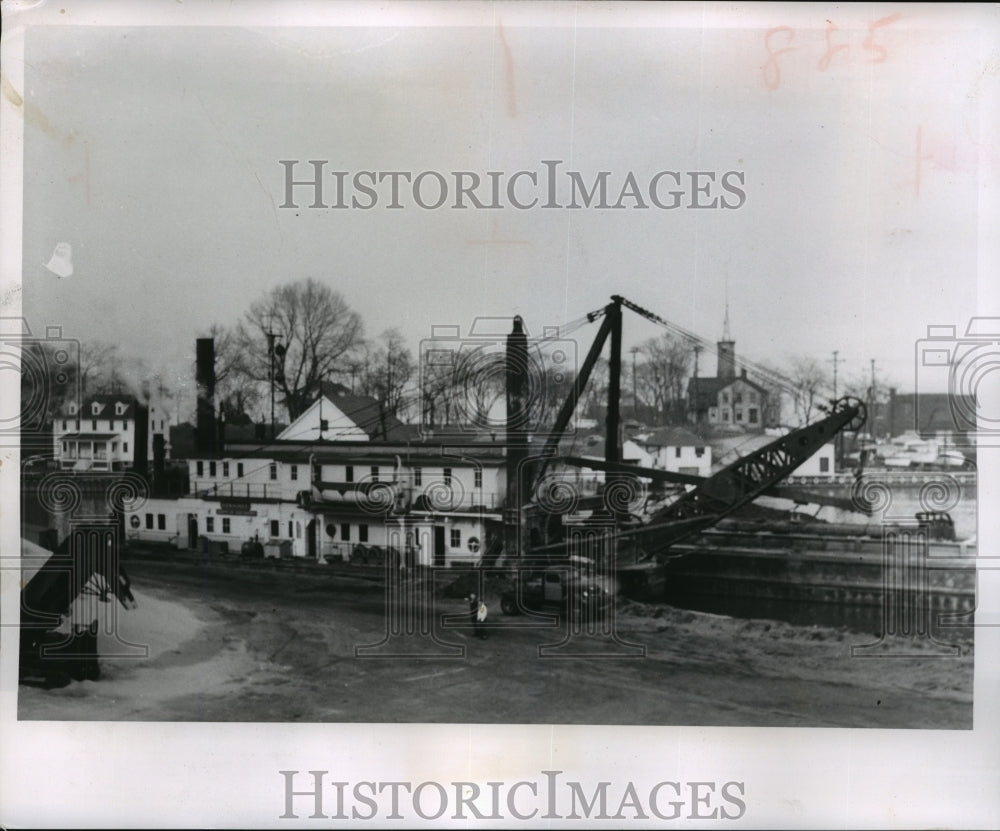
(155, 153)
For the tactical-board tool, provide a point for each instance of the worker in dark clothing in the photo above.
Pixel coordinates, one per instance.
(477, 611)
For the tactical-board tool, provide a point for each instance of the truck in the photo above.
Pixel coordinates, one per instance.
(570, 588)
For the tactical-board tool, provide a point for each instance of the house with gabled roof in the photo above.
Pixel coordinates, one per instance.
(678, 450)
(109, 432)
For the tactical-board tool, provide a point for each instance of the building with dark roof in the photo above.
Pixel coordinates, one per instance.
(728, 399)
(109, 432)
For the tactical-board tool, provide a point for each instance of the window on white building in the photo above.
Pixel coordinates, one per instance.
(95, 408)
(275, 529)
(362, 533)
(677, 452)
(119, 408)
(225, 469)
(447, 475)
(65, 424)
(111, 424)
(225, 525)
(753, 415)
(345, 531)
(294, 472)
(149, 521)
(210, 524)
(200, 466)
(699, 452)
(93, 424)
(349, 473)
(418, 476)
(211, 469)
(739, 415)
(456, 538)
(478, 478)
(824, 465)
(161, 522)
(239, 469)
(124, 447)
(374, 473)
(290, 529)
(273, 471)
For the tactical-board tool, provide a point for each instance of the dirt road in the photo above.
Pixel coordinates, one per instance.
(251, 646)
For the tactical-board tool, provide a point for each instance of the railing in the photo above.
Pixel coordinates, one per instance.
(362, 553)
(246, 490)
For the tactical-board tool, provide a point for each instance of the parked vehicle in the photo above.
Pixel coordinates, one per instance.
(567, 588)
(252, 549)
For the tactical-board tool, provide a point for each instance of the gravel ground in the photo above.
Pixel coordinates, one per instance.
(255, 646)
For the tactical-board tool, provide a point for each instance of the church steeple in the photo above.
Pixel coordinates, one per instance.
(726, 350)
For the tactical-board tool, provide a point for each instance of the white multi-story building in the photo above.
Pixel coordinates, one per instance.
(336, 500)
(108, 432)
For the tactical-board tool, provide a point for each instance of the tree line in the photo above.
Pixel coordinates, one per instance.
(304, 334)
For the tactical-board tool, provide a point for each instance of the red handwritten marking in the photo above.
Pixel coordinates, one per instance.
(869, 42)
(831, 50)
(509, 67)
(919, 160)
(771, 70)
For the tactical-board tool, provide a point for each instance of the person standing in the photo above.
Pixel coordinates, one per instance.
(477, 611)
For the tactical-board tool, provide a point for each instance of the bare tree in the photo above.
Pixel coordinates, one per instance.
(594, 398)
(774, 392)
(316, 332)
(436, 389)
(98, 366)
(810, 382)
(662, 376)
(238, 392)
(388, 370)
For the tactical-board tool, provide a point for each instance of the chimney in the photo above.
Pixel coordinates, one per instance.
(205, 376)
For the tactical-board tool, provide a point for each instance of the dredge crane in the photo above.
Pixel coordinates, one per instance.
(85, 565)
(641, 545)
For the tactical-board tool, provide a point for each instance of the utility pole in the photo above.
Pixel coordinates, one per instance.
(693, 388)
(838, 443)
(836, 360)
(635, 395)
(274, 350)
(874, 400)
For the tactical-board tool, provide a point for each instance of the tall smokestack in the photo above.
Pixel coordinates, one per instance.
(205, 377)
(140, 455)
(516, 373)
(159, 464)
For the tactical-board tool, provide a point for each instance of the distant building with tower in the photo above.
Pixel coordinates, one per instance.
(728, 399)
